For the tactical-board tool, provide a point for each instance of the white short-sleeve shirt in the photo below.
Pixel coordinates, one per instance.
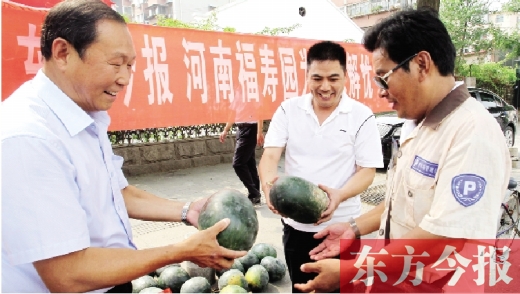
(326, 154)
(61, 183)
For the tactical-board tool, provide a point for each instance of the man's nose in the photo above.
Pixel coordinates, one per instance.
(325, 85)
(383, 93)
(124, 76)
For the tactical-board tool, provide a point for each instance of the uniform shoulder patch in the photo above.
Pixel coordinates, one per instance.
(468, 188)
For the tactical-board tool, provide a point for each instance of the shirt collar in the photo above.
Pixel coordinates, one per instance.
(68, 112)
(344, 106)
(452, 101)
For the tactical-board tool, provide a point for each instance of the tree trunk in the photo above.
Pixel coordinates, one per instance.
(431, 3)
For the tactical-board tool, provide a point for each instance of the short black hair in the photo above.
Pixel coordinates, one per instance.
(327, 50)
(410, 31)
(75, 21)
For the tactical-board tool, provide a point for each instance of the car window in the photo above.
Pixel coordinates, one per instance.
(499, 101)
(487, 100)
(473, 94)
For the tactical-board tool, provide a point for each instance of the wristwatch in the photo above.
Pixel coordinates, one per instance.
(353, 225)
(184, 215)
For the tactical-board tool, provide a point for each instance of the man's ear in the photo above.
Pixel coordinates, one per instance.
(61, 52)
(425, 63)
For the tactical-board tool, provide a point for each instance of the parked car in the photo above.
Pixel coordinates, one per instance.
(390, 125)
(505, 114)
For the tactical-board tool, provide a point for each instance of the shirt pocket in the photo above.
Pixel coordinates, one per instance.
(419, 191)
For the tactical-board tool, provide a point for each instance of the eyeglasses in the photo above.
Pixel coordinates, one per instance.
(381, 81)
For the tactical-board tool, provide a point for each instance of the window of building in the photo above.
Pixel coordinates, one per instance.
(499, 18)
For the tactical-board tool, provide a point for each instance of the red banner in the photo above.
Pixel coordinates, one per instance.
(190, 77)
(47, 3)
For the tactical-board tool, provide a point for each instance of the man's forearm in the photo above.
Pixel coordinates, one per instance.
(370, 222)
(97, 268)
(146, 206)
(228, 126)
(268, 167)
(260, 126)
(358, 183)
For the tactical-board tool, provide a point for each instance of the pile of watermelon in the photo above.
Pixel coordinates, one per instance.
(252, 272)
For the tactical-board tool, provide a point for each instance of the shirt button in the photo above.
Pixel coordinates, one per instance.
(381, 232)
(399, 154)
(410, 194)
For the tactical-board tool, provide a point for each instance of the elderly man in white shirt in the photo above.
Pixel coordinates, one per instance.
(65, 201)
(330, 140)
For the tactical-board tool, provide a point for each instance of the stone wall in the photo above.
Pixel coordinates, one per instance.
(163, 157)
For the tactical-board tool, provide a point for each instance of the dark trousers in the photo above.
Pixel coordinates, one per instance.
(244, 161)
(123, 288)
(297, 245)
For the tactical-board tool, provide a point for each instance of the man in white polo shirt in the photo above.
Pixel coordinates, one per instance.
(330, 140)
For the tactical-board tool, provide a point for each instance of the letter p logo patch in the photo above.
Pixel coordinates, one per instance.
(469, 187)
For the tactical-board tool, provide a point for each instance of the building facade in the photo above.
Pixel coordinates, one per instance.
(148, 11)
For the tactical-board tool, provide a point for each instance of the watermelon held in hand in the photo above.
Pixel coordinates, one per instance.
(228, 203)
(173, 277)
(196, 285)
(298, 199)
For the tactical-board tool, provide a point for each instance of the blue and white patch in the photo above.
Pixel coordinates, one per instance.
(424, 167)
(468, 188)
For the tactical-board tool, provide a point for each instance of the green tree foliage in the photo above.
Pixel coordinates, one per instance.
(467, 24)
(512, 6)
(490, 73)
(278, 31)
(207, 24)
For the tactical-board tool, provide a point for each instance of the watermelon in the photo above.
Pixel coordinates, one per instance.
(298, 199)
(173, 277)
(196, 285)
(142, 283)
(232, 277)
(236, 265)
(228, 203)
(233, 289)
(161, 269)
(257, 278)
(151, 290)
(275, 268)
(262, 250)
(248, 260)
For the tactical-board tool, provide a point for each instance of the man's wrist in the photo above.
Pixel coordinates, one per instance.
(354, 227)
(184, 213)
